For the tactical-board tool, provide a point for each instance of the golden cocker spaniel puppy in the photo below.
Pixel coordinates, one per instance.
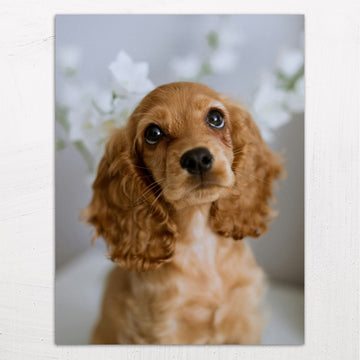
(177, 189)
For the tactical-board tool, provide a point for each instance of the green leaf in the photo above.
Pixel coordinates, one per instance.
(98, 108)
(204, 71)
(205, 68)
(85, 153)
(59, 144)
(288, 83)
(69, 72)
(61, 117)
(213, 39)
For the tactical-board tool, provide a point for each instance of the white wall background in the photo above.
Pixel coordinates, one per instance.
(157, 39)
(27, 182)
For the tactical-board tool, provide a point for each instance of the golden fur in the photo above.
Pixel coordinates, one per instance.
(181, 278)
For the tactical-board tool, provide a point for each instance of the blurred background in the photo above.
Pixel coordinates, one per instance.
(106, 63)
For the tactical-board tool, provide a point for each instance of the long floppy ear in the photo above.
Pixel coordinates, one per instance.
(125, 211)
(245, 211)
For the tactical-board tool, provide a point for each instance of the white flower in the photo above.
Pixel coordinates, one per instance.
(124, 107)
(186, 67)
(73, 94)
(68, 59)
(270, 103)
(226, 30)
(230, 37)
(88, 130)
(273, 117)
(82, 120)
(128, 76)
(223, 61)
(266, 133)
(290, 62)
(102, 101)
(269, 107)
(86, 114)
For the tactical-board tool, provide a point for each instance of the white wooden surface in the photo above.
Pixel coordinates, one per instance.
(27, 183)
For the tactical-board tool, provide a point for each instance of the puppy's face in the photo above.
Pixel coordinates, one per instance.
(185, 145)
(183, 136)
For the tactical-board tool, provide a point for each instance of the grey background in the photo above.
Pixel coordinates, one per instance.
(156, 39)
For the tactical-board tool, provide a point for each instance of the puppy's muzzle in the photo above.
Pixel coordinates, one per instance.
(197, 161)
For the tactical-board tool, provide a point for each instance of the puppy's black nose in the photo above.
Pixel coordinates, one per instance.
(197, 161)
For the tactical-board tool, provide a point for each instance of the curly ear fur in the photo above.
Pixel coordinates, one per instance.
(246, 210)
(124, 210)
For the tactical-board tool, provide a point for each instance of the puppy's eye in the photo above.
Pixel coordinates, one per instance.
(153, 134)
(215, 119)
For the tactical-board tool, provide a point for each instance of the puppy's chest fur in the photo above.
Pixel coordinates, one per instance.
(215, 280)
(208, 294)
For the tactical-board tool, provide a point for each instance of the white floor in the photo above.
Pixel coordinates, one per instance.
(79, 287)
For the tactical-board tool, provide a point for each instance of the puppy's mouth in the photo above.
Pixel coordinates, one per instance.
(204, 189)
(196, 190)
(205, 185)
(210, 180)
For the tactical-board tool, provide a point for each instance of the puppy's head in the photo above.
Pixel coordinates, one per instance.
(184, 145)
